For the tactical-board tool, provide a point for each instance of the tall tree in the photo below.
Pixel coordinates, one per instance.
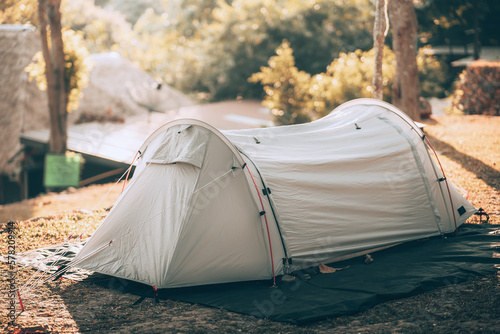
(52, 46)
(406, 86)
(379, 32)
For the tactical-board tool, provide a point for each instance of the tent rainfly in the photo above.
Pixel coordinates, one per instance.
(206, 207)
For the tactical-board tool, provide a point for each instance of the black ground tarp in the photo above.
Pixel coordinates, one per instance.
(396, 272)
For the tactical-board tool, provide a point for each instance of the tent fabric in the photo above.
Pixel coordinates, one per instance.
(367, 187)
(207, 207)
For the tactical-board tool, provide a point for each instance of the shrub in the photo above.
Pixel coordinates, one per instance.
(478, 89)
(286, 88)
(295, 96)
(77, 67)
(432, 74)
(212, 47)
(352, 76)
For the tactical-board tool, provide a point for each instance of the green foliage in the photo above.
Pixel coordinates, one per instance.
(320, 31)
(286, 87)
(352, 75)
(477, 90)
(133, 9)
(432, 74)
(77, 67)
(103, 30)
(451, 22)
(296, 97)
(18, 11)
(213, 47)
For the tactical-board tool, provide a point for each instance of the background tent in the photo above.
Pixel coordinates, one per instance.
(23, 106)
(207, 207)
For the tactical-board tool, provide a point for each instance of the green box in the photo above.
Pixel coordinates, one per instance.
(62, 170)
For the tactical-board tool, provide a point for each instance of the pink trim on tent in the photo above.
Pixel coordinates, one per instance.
(267, 226)
(128, 172)
(445, 180)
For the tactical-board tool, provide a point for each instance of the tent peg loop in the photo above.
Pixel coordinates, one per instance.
(286, 265)
(155, 294)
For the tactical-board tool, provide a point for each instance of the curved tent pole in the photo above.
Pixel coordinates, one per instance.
(398, 112)
(191, 121)
(445, 180)
(263, 213)
(270, 204)
(129, 169)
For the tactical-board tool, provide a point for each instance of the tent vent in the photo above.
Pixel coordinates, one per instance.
(266, 191)
(461, 210)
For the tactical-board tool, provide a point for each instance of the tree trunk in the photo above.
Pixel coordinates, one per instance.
(379, 32)
(477, 44)
(406, 86)
(50, 16)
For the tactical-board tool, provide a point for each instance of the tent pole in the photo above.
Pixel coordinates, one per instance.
(263, 213)
(446, 182)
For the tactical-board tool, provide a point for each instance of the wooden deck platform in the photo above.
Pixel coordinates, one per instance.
(115, 144)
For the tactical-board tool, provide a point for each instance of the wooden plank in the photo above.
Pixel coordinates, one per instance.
(116, 144)
(101, 141)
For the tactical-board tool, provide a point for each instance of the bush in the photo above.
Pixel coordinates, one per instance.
(77, 67)
(433, 75)
(296, 97)
(224, 42)
(352, 76)
(478, 89)
(287, 89)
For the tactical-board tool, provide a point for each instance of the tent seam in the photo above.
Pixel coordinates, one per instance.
(420, 167)
(188, 204)
(283, 243)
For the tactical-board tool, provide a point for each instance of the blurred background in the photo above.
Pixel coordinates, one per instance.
(233, 63)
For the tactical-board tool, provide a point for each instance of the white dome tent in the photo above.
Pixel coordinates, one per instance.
(206, 207)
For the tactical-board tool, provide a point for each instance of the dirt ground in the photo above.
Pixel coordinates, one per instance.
(468, 148)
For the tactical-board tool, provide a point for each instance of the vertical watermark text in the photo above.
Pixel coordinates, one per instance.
(11, 271)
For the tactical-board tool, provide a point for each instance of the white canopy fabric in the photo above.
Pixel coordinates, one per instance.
(207, 207)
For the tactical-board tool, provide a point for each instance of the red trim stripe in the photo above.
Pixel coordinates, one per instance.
(445, 180)
(267, 226)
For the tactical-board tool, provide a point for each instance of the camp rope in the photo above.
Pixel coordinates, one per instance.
(38, 276)
(129, 169)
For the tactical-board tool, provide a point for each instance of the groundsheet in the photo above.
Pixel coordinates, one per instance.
(397, 272)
